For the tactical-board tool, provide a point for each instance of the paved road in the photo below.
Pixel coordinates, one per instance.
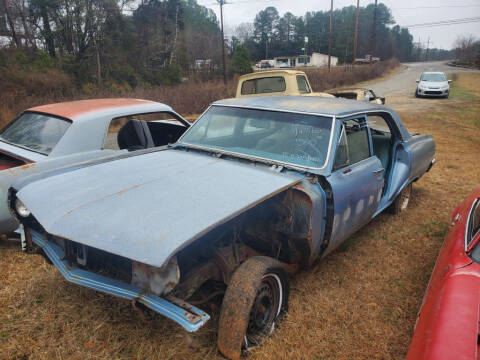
(399, 89)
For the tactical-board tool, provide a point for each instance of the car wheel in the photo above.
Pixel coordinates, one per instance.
(416, 94)
(400, 203)
(255, 298)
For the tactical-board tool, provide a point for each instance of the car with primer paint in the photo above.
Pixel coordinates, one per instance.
(433, 84)
(87, 128)
(360, 94)
(256, 189)
(447, 322)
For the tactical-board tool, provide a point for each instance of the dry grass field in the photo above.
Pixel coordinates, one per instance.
(358, 303)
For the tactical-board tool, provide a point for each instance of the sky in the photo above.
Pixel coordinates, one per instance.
(405, 12)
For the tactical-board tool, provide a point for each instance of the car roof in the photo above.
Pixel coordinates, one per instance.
(87, 109)
(272, 72)
(433, 72)
(304, 104)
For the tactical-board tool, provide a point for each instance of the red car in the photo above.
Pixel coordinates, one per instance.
(448, 322)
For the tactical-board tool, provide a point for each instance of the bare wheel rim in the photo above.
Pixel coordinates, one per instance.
(405, 197)
(265, 310)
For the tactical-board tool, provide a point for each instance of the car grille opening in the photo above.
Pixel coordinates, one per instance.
(99, 261)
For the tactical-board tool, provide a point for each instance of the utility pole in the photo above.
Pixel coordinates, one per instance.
(428, 45)
(355, 41)
(330, 35)
(374, 28)
(222, 2)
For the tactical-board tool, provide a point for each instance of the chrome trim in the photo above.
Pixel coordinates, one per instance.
(253, 157)
(189, 317)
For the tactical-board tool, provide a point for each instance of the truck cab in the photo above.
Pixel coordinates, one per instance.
(276, 82)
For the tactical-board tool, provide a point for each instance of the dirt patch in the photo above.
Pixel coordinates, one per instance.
(358, 303)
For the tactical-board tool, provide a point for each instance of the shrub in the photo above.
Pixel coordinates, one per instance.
(241, 61)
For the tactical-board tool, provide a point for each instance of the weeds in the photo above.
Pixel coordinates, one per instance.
(20, 90)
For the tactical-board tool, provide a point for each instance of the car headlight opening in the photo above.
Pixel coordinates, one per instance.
(21, 209)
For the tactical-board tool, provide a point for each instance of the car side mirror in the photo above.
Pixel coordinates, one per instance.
(449, 81)
(382, 99)
(418, 80)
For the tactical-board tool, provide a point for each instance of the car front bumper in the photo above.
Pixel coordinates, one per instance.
(186, 315)
(433, 92)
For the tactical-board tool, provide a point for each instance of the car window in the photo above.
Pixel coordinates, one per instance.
(37, 132)
(111, 139)
(476, 221)
(264, 85)
(473, 229)
(434, 77)
(302, 84)
(378, 123)
(292, 138)
(354, 145)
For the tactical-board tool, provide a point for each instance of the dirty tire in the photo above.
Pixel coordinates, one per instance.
(401, 202)
(259, 284)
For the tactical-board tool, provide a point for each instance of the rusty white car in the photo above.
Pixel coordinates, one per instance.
(85, 129)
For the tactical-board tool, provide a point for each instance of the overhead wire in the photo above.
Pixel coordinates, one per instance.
(445, 22)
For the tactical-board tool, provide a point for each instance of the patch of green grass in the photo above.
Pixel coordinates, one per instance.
(461, 93)
(434, 229)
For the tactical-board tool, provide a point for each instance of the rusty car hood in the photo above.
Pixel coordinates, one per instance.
(148, 207)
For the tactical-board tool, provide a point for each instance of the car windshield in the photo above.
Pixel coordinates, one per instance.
(434, 77)
(298, 139)
(36, 132)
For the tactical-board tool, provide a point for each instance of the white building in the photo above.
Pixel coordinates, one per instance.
(316, 59)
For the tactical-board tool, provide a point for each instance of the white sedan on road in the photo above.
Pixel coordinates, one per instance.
(433, 84)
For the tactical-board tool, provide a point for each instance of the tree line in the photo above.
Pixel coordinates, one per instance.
(127, 43)
(124, 41)
(273, 35)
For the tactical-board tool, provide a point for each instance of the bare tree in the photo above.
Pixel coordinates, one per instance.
(467, 49)
(243, 31)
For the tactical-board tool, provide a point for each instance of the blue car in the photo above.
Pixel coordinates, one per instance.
(256, 189)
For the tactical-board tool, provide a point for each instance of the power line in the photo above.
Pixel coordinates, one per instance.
(445, 22)
(238, 2)
(437, 7)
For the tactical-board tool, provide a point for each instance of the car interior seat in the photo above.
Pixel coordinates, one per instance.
(135, 135)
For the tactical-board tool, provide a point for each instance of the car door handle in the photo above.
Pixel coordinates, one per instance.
(378, 171)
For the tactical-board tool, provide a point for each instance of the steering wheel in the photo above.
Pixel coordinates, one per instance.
(303, 147)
